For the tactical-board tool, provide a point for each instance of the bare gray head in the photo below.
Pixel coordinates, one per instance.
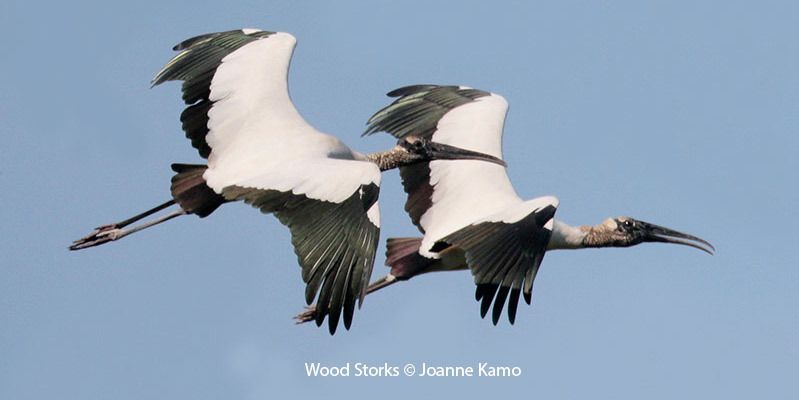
(412, 149)
(626, 232)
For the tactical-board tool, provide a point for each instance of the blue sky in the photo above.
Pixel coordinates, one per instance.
(678, 113)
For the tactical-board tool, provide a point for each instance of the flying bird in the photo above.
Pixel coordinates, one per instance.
(260, 150)
(469, 212)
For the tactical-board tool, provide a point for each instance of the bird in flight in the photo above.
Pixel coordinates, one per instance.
(259, 149)
(469, 213)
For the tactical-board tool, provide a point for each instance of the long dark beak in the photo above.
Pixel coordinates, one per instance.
(439, 151)
(656, 233)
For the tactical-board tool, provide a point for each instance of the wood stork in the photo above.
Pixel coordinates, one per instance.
(470, 213)
(260, 150)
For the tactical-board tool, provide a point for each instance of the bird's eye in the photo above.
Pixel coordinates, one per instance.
(625, 225)
(418, 144)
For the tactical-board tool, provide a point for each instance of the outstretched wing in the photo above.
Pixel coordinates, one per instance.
(335, 243)
(504, 252)
(419, 108)
(262, 151)
(196, 65)
(236, 92)
(470, 205)
(446, 195)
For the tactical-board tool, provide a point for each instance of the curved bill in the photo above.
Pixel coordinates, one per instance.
(440, 151)
(656, 233)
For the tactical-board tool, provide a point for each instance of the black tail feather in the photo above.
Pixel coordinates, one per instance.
(402, 255)
(191, 192)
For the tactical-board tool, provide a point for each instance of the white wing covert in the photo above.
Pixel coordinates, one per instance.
(445, 195)
(470, 204)
(240, 116)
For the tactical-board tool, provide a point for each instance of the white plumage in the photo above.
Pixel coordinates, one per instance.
(260, 150)
(470, 213)
(466, 191)
(259, 140)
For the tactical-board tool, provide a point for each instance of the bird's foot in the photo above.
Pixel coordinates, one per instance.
(100, 235)
(306, 316)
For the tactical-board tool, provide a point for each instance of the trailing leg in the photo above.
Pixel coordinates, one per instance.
(189, 192)
(110, 232)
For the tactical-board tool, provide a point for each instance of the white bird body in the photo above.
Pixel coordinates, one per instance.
(467, 191)
(260, 140)
(469, 212)
(264, 152)
(259, 149)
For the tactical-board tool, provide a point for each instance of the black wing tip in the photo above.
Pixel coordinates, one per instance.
(347, 323)
(325, 313)
(513, 304)
(488, 293)
(499, 303)
(205, 36)
(528, 297)
(168, 72)
(158, 79)
(425, 87)
(332, 324)
(498, 295)
(408, 112)
(339, 283)
(412, 89)
(484, 293)
(185, 44)
(333, 319)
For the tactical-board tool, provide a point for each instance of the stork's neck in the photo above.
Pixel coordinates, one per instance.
(604, 234)
(386, 160)
(565, 236)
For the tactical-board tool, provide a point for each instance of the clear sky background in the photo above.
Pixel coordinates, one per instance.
(683, 114)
